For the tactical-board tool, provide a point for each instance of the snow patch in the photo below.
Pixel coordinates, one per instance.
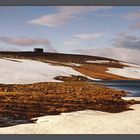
(73, 64)
(98, 61)
(23, 71)
(67, 64)
(83, 122)
(130, 64)
(128, 72)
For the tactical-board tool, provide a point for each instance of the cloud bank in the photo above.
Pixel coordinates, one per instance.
(26, 42)
(122, 54)
(124, 47)
(124, 40)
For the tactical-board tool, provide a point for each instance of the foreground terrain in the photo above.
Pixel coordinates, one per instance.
(21, 103)
(83, 122)
(52, 85)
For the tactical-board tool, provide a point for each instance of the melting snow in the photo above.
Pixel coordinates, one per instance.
(130, 64)
(98, 61)
(83, 122)
(22, 71)
(132, 71)
(67, 64)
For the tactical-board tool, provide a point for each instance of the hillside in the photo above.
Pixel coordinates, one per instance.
(23, 71)
(84, 65)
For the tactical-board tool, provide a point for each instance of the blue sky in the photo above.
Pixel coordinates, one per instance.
(70, 28)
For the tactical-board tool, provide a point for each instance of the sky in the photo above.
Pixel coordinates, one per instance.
(93, 30)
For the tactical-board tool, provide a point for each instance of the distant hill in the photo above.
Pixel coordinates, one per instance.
(91, 66)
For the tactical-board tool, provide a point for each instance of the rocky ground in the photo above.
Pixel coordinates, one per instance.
(21, 103)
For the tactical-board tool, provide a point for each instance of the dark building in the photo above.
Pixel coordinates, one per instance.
(38, 50)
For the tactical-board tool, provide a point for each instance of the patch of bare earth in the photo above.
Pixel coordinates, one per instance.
(21, 103)
(99, 71)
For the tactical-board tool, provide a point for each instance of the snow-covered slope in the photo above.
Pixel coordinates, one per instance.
(83, 122)
(130, 64)
(98, 61)
(129, 71)
(21, 71)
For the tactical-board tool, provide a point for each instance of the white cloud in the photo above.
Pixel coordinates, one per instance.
(64, 14)
(88, 36)
(52, 20)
